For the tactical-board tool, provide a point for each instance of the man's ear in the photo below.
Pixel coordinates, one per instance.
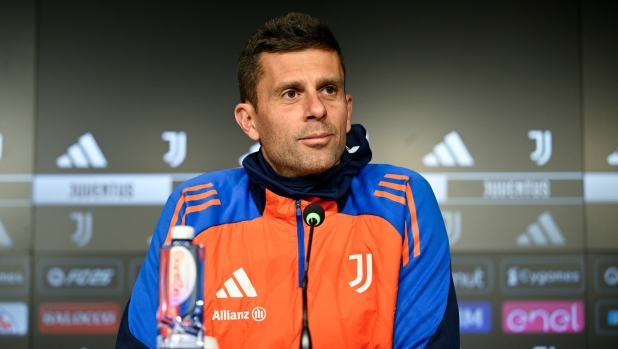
(348, 100)
(246, 117)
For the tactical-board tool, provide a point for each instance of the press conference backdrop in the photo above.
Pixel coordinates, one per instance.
(509, 109)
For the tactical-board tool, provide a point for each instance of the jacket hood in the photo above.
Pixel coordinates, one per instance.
(333, 184)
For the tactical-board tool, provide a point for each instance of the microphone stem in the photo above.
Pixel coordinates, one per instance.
(305, 337)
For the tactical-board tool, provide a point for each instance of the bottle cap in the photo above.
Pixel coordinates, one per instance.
(183, 232)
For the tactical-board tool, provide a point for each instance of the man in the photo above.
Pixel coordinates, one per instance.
(380, 267)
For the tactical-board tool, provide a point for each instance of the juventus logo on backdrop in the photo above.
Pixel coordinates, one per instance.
(178, 147)
(359, 272)
(83, 231)
(542, 153)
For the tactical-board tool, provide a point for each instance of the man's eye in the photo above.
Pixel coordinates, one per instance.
(290, 94)
(330, 90)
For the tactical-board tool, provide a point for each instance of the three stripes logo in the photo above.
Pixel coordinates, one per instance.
(542, 232)
(83, 154)
(449, 153)
(231, 286)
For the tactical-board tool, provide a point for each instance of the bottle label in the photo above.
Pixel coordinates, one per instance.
(182, 275)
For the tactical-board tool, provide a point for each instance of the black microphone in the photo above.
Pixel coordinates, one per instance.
(314, 216)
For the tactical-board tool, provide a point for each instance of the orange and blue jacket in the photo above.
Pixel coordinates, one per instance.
(380, 265)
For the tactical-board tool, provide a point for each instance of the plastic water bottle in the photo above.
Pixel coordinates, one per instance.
(181, 292)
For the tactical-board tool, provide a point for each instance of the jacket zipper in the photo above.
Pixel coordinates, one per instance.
(300, 235)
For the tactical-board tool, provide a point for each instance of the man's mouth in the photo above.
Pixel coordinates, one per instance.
(318, 138)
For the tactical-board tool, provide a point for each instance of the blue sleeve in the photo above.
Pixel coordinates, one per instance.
(426, 314)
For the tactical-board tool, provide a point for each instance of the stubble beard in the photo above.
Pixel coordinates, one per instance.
(290, 158)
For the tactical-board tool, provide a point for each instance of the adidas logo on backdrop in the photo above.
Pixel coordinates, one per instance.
(449, 153)
(232, 288)
(542, 232)
(83, 154)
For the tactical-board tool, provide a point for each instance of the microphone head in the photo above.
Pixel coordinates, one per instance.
(314, 212)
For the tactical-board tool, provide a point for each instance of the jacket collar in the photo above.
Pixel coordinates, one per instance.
(331, 185)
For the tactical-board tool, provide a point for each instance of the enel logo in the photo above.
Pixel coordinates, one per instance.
(543, 316)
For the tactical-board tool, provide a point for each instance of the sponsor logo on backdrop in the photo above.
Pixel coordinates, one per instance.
(612, 318)
(13, 319)
(472, 275)
(359, 271)
(517, 189)
(540, 278)
(612, 159)
(452, 222)
(542, 275)
(606, 317)
(474, 317)
(232, 289)
(80, 276)
(5, 238)
(449, 153)
(177, 152)
(14, 275)
(79, 318)
(11, 278)
(0, 146)
(83, 231)
(606, 274)
(611, 276)
(543, 232)
(252, 149)
(83, 154)
(564, 316)
(542, 153)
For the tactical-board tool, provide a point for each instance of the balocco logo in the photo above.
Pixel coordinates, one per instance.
(80, 277)
(79, 318)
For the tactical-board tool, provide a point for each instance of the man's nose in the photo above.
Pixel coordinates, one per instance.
(315, 108)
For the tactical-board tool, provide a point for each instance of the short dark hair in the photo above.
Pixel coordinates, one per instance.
(290, 33)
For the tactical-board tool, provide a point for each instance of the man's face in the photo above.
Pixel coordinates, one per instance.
(304, 113)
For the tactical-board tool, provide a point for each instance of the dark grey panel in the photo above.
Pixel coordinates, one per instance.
(17, 85)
